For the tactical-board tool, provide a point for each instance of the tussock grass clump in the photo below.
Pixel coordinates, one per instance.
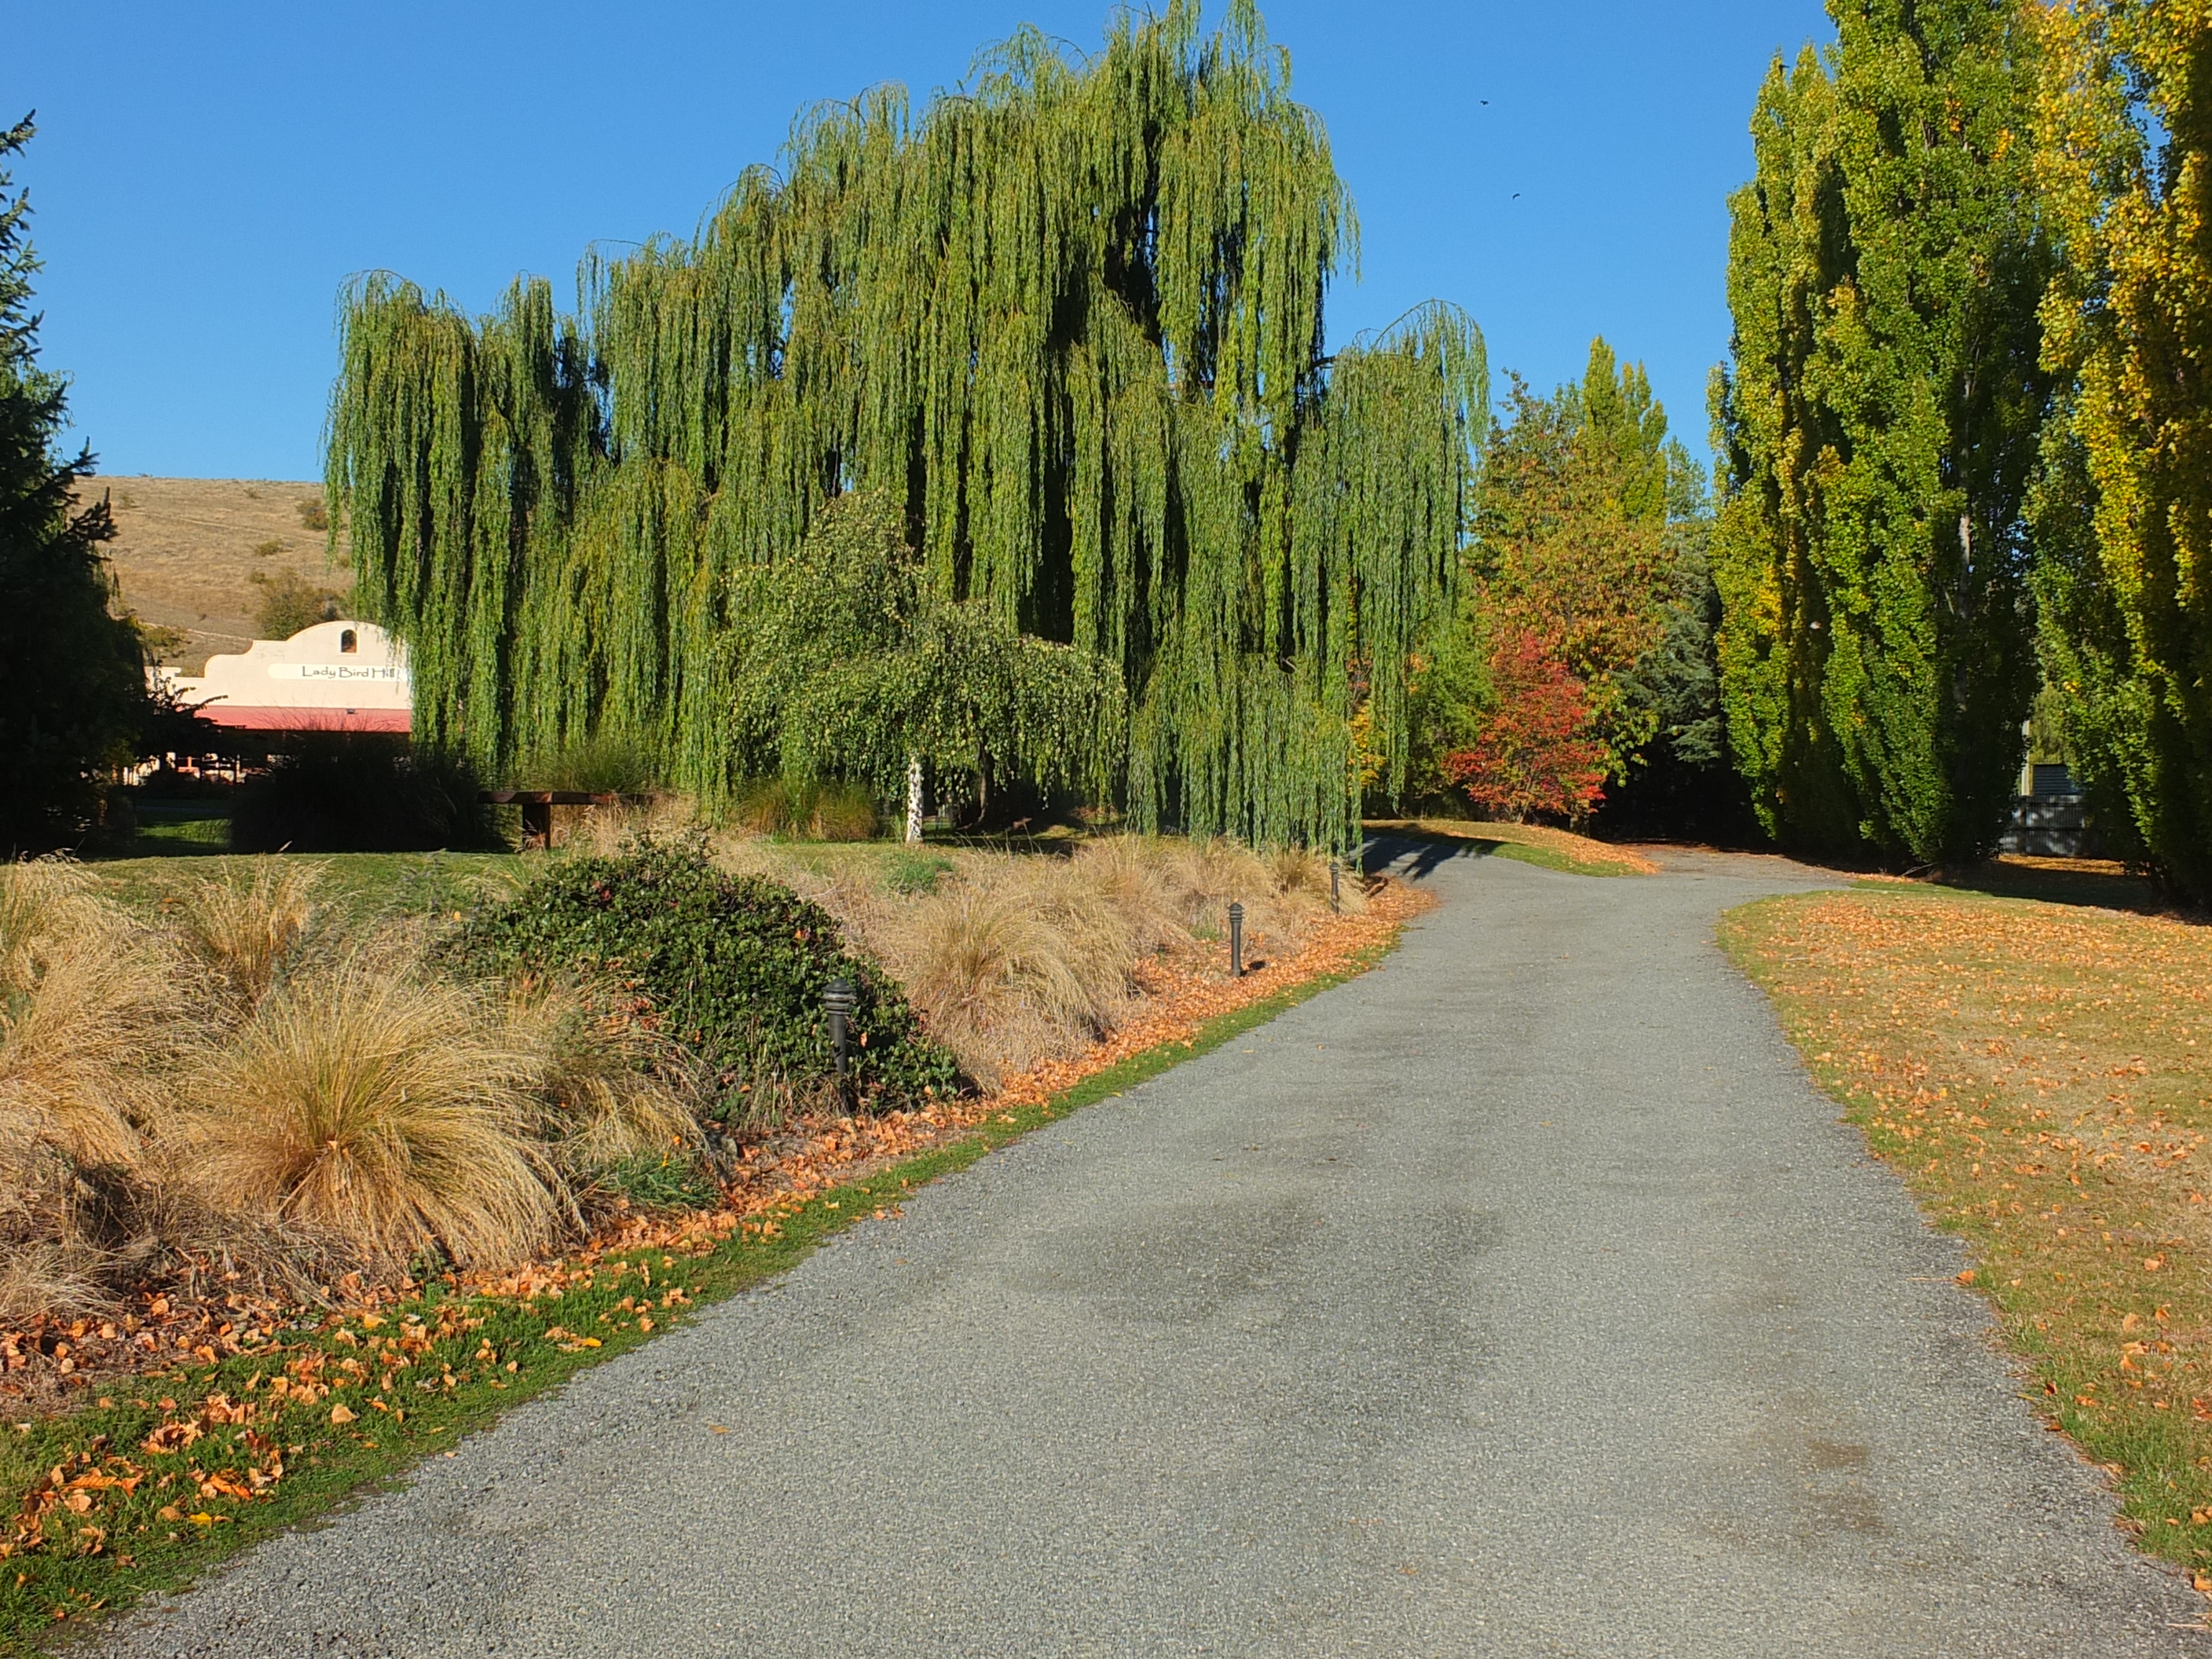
(52, 1278)
(394, 1113)
(1282, 892)
(244, 924)
(88, 1012)
(1126, 871)
(816, 811)
(611, 1092)
(88, 1005)
(1013, 967)
(214, 1100)
(1301, 882)
(44, 904)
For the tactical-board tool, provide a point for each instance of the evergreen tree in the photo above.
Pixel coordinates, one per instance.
(1879, 429)
(2125, 519)
(72, 675)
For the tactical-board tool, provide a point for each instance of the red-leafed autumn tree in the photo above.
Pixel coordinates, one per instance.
(1537, 750)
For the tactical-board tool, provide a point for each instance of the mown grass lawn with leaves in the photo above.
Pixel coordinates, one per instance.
(165, 1474)
(2040, 1076)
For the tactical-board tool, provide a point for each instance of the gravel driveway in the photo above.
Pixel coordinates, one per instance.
(1519, 1298)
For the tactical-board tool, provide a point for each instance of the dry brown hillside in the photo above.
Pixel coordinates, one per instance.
(189, 549)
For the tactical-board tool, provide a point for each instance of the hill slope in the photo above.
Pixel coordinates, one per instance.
(189, 548)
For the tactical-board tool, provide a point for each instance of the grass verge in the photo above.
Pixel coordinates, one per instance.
(364, 886)
(1530, 843)
(2040, 1076)
(172, 1472)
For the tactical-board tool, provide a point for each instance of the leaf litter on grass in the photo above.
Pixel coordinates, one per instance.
(2040, 1075)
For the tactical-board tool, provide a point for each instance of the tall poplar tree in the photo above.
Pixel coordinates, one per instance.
(1879, 426)
(1070, 321)
(72, 675)
(2125, 525)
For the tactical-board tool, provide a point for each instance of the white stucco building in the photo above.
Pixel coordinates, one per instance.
(334, 677)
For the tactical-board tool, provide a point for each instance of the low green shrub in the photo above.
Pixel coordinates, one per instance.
(342, 792)
(732, 966)
(910, 873)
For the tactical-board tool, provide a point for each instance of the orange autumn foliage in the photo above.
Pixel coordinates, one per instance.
(1535, 751)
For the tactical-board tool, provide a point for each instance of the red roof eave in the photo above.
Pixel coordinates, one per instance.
(305, 720)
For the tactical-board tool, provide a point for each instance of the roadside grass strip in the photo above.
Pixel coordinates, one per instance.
(168, 1472)
(2040, 1076)
(1530, 843)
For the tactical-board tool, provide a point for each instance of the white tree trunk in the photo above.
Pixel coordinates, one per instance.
(913, 799)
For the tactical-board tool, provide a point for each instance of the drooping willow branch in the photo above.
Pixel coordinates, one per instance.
(1071, 322)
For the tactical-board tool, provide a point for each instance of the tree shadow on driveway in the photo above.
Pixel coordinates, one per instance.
(1418, 857)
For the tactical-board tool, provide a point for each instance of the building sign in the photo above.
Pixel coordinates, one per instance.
(334, 670)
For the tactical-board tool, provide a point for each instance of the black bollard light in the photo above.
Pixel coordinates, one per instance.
(838, 1001)
(1335, 885)
(1236, 940)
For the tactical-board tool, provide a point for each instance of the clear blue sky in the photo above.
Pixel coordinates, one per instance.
(207, 175)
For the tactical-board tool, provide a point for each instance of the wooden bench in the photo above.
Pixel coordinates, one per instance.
(537, 806)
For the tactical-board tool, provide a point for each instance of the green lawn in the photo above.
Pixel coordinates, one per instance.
(362, 885)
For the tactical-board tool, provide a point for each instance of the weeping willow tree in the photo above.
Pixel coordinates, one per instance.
(1069, 321)
(849, 665)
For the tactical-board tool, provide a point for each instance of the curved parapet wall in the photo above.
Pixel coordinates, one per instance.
(335, 677)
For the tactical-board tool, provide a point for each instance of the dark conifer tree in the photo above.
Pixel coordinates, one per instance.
(72, 674)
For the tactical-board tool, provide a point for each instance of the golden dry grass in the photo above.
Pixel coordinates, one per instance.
(188, 548)
(243, 923)
(1011, 964)
(87, 1005)
(392, 1113)
(1016, 959)
(2040, 1075)
(608, 1091)
(201, 1095)
(50, 1277)
(44, 904)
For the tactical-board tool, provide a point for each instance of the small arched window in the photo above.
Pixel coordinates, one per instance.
(348, 644)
